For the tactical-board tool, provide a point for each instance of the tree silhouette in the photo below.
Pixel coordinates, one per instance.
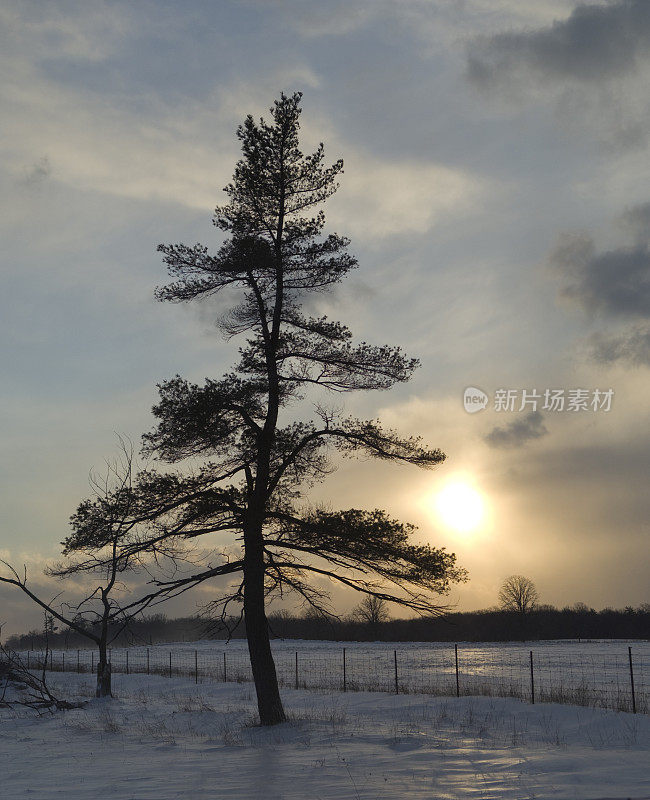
(104, 546)
(258, 463)
(108, 614)
(518, 594)
(372, 611)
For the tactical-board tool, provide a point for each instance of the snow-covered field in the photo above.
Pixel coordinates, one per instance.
(166, 738)
(587, 673)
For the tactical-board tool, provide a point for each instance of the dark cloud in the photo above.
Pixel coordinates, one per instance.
(615, 282)
(612, 283)
(636, 221)
(632, 346)
(594, 43)
(38, 172)
(518, 432)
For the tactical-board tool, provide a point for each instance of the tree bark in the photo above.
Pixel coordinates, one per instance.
(269, 703)
(104, 688)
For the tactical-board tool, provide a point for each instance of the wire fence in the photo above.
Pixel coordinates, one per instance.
(617, 680)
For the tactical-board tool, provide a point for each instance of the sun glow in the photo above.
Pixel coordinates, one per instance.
(459, 506)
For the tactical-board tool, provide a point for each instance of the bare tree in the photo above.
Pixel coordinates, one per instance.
(109, 521)
(518, 594)
(372, 611)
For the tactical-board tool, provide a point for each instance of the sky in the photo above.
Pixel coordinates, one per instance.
(495, 193)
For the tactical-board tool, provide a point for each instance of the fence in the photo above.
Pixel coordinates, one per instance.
(613, 680)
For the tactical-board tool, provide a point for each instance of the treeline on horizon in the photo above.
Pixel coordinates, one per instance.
(490, 625)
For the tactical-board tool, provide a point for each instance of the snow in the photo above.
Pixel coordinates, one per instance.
(167, 738)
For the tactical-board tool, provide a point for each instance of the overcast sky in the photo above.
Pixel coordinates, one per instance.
(495, 192)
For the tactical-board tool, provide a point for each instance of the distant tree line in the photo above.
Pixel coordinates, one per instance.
(490, 625)
(143, 630)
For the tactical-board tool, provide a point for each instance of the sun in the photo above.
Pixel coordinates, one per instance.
(460, 506)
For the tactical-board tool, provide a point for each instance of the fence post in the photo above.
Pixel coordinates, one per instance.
(396, 682)
(78, 662)
(532, 680)
(127, 661)
(147, 660)
(457, 675)
(296, 669)
(629, 653)
(196, 666)
(345, 681)
(225, 674)
(170, 663)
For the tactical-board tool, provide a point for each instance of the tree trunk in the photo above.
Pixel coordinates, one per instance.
(103, 675)
(269, 703)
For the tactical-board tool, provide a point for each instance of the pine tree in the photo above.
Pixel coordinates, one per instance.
(258, 463)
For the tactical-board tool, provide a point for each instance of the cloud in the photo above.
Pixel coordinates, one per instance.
(144, 145)
(180, 148)
(636, 222)
(596, 42)
(336, 18)
(591, 67)
(78, 29)
(38, 172)
(518, 432)
(631, 346)
(179, 152)
(380, 198)
(613, 282)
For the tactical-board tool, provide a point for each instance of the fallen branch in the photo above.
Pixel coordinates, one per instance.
(32, 690)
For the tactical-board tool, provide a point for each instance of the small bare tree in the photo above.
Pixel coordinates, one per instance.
(518, 594)
(76, 623)
(372, 611)
(105, 532)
